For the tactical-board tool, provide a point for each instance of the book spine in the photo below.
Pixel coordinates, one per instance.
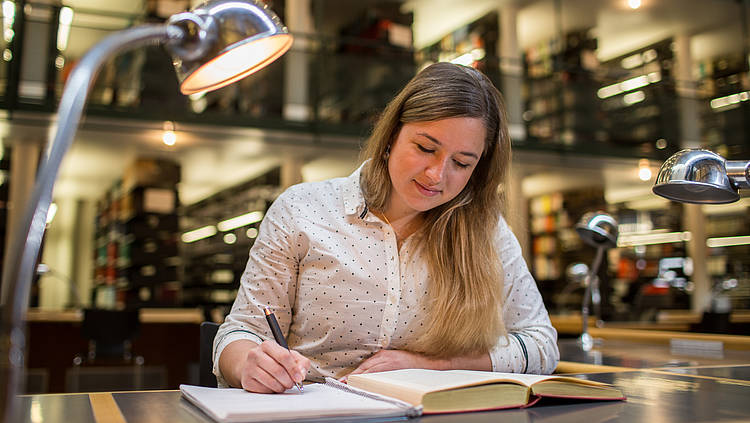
(410, 410)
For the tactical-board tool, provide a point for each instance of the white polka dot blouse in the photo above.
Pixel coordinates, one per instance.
(341, 290)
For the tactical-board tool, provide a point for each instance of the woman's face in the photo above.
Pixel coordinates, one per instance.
(431, 162)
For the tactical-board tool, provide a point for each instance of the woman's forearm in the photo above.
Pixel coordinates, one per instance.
(469, 362)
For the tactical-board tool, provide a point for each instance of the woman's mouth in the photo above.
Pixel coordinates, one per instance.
(426, 191)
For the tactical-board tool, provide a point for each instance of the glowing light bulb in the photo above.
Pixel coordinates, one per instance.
(644, 171)
(169, 138)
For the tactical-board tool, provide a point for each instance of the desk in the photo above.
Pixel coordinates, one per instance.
(652, 396)
(724, 372)
(660, 386)
(666, 320)
(146, 315)
(641, 355)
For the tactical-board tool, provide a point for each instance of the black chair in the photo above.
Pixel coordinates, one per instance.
(109, 363)
(110, 333)
(208, 333)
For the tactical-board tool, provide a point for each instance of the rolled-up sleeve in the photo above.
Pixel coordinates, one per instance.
(531, 342)
(269, 280)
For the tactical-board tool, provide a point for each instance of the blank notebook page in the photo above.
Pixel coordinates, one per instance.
(317, 400)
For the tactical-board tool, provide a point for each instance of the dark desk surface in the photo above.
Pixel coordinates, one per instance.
(643, 355)
(652, 396)
(722, 372)
(662, 385)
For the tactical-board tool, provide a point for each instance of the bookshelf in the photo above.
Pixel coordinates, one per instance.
(554, 240)
(639, 100)
(730, 261)
(559, 91)
(215, 263)
(136, 257)
(651, 274)
(473, 44)
(724, 85)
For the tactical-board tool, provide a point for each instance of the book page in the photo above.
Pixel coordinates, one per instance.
(317, 400)
(423, 380)
(530, 379)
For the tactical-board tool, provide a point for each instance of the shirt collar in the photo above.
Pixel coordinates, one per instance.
(354, 200)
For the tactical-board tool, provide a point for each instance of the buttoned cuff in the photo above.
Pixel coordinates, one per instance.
(507, 356)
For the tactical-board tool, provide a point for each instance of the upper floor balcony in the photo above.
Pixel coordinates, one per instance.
(568, 92)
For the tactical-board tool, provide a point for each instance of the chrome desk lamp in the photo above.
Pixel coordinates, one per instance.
(702, 177)
(215, 44)
(599, 230)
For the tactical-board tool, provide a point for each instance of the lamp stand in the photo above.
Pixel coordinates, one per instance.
(26, 238)
(591, 294)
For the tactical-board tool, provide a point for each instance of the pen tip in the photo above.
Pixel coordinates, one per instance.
(267, 311)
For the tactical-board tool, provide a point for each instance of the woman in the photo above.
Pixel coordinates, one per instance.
(406, 263)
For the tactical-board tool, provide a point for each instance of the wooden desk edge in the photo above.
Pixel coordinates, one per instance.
(736, 342)
(653, 334)
(147, 315)
(670, 320)
(573, 367)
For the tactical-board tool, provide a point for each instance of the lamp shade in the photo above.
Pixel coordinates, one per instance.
(598, 229)
(226, 40)
(695, 176)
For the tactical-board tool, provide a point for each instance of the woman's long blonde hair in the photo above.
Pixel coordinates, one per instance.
(464, 301)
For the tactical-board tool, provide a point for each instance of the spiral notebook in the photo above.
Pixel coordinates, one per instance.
(319, 401)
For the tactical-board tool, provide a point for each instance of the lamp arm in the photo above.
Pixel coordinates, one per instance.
(738, 172)
(26, 238)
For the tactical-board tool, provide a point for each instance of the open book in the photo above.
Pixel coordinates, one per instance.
(451, 391)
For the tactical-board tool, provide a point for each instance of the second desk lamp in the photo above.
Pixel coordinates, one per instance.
(599, 230)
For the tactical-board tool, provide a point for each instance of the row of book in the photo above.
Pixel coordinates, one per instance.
(137, 259)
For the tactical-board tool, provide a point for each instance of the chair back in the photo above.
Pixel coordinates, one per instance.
(110, 332)
(208, 333)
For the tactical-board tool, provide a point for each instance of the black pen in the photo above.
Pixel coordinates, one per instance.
(277, 335)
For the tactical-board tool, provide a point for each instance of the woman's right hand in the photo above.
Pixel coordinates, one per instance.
(269, 368)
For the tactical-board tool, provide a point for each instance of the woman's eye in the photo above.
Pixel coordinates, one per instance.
(459, 164)
(425, 149)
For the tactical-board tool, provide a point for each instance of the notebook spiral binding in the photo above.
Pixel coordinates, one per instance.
(411, 411)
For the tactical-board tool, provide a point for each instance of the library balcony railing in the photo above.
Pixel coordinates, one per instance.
(331, 85)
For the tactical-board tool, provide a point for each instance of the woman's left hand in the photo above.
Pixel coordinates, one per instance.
(396, 359)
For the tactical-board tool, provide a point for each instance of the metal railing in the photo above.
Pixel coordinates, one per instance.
(339, 85)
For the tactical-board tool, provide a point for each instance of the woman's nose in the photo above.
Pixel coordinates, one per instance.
(435, 170)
